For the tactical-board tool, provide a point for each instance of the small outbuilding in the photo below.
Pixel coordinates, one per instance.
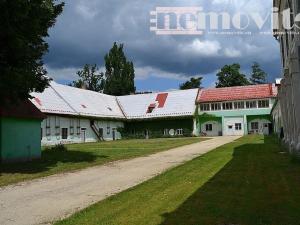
(20, 132)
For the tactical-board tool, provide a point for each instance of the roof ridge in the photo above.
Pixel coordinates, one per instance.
(60, 96)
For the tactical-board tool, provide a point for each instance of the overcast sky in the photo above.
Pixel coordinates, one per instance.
(86, 30)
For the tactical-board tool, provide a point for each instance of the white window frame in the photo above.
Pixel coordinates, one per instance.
(238, 126)
(179, 132)
(216, 106)
(264, 103)
(251, 104)
(48, 126)
(251, 125)
(226, 104)
(239, 105)
(210, 126)
(166, 132)
(78, 127)
(205, 107)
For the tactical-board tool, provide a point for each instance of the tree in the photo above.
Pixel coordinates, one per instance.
(119, 75)
(192, 83)
(258, 76)
(230, 76)
(90, 78)
(24, 25)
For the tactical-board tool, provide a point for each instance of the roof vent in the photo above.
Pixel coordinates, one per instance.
(83, 106)
(110, 109)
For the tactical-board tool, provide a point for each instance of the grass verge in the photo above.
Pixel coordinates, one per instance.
(247, 182)
(79, 156)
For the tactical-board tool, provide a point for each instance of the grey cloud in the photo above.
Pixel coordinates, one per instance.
(86, 30)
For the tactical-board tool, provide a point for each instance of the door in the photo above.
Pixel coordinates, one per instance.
(147, 134)
(114, 134)
(82, 134)
(266, 129)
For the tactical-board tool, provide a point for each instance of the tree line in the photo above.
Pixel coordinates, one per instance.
(230, 76)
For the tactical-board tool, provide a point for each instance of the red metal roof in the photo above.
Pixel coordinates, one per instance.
(23, 109)
(237, 93)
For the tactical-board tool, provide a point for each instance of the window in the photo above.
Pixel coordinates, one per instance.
(239, 105)
(108, 130)
(263, 104)
(57, 126)
(71, 126)
(215, 106)
(48, 128)
(251, 104)
(179, 132)
(230, 127)
(238, 126)
(64, 133)
(227, 105)
(166, 132)
(208, 127)
(204, 107)
(78, 127)
(254, 126)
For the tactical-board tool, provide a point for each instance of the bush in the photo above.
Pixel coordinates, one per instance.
(58, 148)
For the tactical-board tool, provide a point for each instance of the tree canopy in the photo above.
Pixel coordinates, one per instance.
(119, 74)
(23, 27)
(192, 83)
(258, 76)
(230, 76)
(89, 78)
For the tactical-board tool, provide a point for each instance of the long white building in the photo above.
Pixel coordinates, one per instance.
(75, 115)
(289, 91)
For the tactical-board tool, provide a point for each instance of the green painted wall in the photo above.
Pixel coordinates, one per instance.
(20, 139)
(158, 125)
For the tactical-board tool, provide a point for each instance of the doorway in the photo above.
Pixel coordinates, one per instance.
(83, 134)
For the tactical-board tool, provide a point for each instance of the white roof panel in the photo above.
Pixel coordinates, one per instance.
(177, 104)
(50, 102)
(89, 103)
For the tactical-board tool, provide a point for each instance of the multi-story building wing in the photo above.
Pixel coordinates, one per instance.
(287, 33)
(236, 110)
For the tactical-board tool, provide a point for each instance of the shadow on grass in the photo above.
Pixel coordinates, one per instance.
(50, 158)
(259, 186)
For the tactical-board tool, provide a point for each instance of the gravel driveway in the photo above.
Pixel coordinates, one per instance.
(52, 198)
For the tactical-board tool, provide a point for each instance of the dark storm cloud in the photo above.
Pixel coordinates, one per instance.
(86, 30)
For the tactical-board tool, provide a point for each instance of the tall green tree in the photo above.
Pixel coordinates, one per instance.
(119, 74)
(230, 76)
(89, 78)
(192, 83)
(258, 76)
(24, 25)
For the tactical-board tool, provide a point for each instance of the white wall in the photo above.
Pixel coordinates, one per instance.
(216, 128)
(231, 121)
(65, 122)
(261, 129)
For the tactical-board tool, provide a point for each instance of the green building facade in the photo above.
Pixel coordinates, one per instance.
(20, 132)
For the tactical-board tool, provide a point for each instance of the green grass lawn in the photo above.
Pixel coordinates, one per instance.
(245, 182)
(80, 156)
